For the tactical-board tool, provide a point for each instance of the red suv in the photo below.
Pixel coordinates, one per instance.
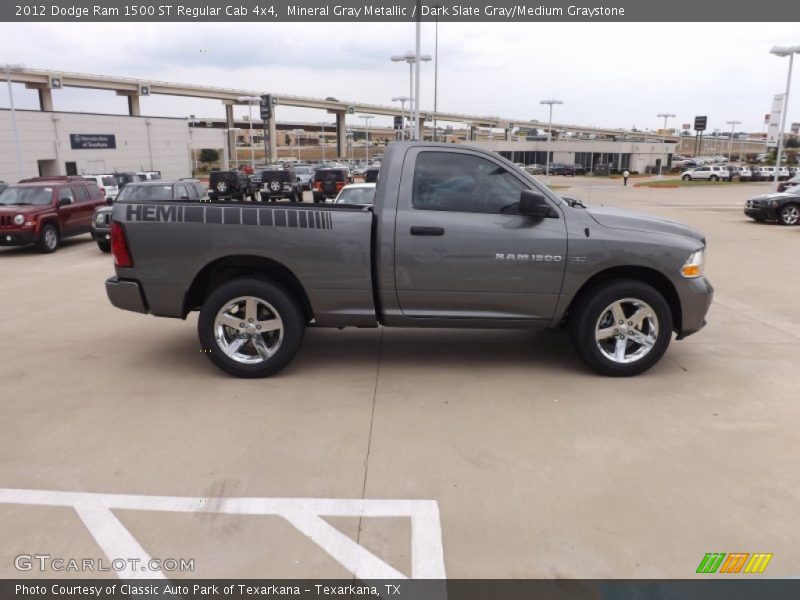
(43, 210)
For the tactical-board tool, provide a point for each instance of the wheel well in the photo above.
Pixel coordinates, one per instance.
(644, 274)
(219, 271)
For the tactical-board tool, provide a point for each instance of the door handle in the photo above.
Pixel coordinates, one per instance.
(417, 230)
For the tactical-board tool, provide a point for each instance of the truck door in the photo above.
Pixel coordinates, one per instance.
(460, 249)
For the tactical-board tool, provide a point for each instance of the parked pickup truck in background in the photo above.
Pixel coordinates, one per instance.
(457, 237)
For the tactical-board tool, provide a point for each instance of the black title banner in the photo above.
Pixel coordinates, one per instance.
(460, 589)
(399, 11)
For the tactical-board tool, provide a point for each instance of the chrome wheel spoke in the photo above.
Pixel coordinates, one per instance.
(237, 343)
(250, 311)
(261, 347)
(619, 314)
(619, 349)
(604, 334)
(270, 325)
(229, 320)
(641, 338)
(637, 317)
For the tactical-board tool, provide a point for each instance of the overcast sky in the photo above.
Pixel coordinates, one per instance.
(612, 75)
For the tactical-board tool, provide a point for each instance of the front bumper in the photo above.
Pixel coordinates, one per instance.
(696, 296)
(17, 237)
(759, 212)
(101, 234)
(126, 294)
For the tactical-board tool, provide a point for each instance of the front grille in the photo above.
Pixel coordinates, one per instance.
(5, 221)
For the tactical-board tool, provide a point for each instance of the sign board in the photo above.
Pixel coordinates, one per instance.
(351, 110)
(687, 125)
(700, 123)
(795, 128)
(267, 102)
(398, 122)
(144, 90)
(92, 141)
(773, 133)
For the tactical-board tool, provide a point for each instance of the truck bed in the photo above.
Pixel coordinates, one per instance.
(325, 246)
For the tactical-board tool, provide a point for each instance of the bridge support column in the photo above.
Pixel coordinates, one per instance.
(230, 135)
(341, 135)
(45, 96)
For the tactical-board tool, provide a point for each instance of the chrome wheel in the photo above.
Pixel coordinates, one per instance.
(248, 330)
(222, 187)
(626, 330)
(50, 238)
(790, 215)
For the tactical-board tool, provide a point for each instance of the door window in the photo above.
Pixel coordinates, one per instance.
(65, 194)
(452, 181)
(80, 193)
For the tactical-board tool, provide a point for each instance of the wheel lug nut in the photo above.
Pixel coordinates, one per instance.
(630, 323)
(616, 331)
(621, 322)
(258, 326)
(241, 324)
(251, 320)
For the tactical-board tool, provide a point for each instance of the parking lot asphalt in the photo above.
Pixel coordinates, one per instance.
(538, 466)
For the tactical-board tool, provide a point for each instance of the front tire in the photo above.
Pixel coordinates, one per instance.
(105, 246)
(790, 215)
(250, 327)
(714, 178)
(687, 177)
(621, 327)
(48, 240)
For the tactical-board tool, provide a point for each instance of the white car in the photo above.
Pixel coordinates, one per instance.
(707, 173)
(361, 194)
(108, 185)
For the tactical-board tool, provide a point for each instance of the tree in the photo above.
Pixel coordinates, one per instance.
(208, 155)
(792, 142)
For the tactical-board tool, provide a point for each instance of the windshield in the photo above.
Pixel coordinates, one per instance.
(40, 196)
(302, 170)
(356, 196)
(109, 182)
(146, 192)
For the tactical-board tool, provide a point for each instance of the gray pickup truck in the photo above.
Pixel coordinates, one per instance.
(457, 237)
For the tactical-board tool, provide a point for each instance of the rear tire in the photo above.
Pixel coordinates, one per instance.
(687, 177)
(621, 349)
(48, 240)
(105, 246)
(714, 178)
(254, 303)
(789, 215)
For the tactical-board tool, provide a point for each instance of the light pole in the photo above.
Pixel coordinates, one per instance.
(550, 102)
(191, 144)
(297, 133)
(323, 142)
(411, 58)
(436, 76)
(250, 100)
(782, 51)
(663, 139)
(402, 100)
(733, 125)
(366, 130)
(15, 68)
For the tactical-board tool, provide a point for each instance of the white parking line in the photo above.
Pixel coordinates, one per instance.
(95, 510)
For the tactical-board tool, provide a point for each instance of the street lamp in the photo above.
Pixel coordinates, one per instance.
(733, 125)
(297, 133)
(411, 58)
(783, 51)
(402, 100)
(16, 69)
(250, 100)
(191, 144)
(663, 139)
(366, 129)
(550, 102)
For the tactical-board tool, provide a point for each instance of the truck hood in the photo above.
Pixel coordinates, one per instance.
(619, 218)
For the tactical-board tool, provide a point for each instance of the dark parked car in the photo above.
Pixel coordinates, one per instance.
(145, 191)
(45, 210)
(328, 182)
(278, 183)
(124, 178)
(371, 175)
(783, 207)
(230, 184)
(785, 185)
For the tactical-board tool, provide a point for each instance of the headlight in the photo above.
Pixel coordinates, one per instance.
(19, 219)
(100, 219)
(693, 267)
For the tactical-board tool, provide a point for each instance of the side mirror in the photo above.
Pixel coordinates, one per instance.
(533, 204)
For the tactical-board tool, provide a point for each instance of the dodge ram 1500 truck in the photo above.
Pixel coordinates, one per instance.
(457, 237)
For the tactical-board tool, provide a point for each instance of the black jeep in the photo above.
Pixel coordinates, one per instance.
(230, 184)
(279, 183)
(328, 182)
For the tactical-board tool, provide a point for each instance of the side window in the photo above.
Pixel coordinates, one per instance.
(81, 195)
(193, 191)
(181, 192)
(65, 193)
(463, 183)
